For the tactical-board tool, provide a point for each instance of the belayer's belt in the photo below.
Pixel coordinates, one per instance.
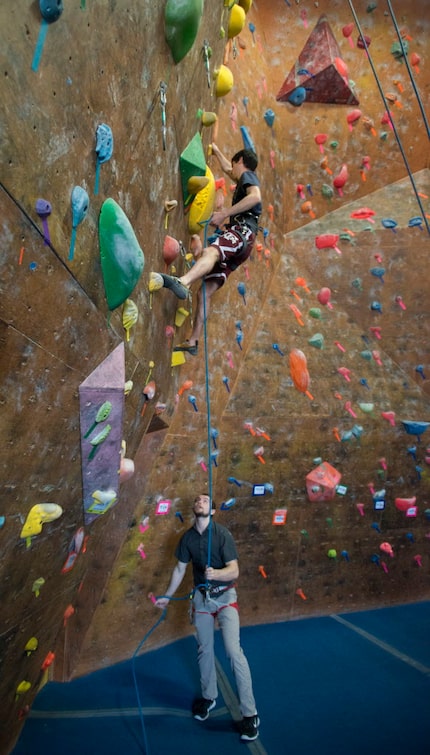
(214, 592)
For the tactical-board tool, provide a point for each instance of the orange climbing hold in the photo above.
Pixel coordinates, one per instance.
(299, 371)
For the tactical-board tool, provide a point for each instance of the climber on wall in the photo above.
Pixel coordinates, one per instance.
(229, 249)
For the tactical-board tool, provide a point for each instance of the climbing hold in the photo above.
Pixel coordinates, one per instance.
(415, 428)
(242, 291)
(122, 258)
(390, 417)
(207, 118)
(347, 31)
(104, 150)
(299, 372)
(353, 117)
(171, 249)
(328, 241)
(341, 179)
(22, 688)
(317, 341)
(297, 96)
(38, 515)
(182, 20)
(364, 213)
(51, 10)
(323, 296)
(148, 394)
(223, 80)
(320, 139)
(103, 413)
(389, 223)
(130, 313)
(98, 439)
(192, 400)
(400, 50)
(80, 205)
(37, 586)
(31, 645)
(269, 117)
(327, 191)
(332, 553)
(363, 41)
(387, 548)
(43, 210)
(236, 21)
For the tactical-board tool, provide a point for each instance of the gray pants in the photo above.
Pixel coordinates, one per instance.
(205, 614)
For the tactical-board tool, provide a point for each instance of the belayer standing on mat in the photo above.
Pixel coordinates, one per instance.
(214, 598)
(230, 249)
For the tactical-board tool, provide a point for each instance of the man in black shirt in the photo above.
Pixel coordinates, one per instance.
(214, 598)
(228, 250)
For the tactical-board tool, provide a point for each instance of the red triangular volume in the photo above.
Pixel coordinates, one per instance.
(319, 74)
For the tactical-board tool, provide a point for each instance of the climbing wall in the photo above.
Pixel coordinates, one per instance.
(329, 171)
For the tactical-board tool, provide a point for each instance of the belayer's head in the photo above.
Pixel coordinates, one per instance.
(202, 506)
(248, 156)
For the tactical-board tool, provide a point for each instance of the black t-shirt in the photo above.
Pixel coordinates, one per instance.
(250, 217)
(194, 547)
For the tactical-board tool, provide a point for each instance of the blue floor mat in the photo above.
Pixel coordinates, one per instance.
(354, 684)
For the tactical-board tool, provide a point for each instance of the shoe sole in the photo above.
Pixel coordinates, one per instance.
(187, 349)
(177, 288)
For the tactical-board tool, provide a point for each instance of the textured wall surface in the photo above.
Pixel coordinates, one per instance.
(102, 62)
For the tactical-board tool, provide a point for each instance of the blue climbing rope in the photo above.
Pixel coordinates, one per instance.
(133, 668)
(205, 223)
(387, 108)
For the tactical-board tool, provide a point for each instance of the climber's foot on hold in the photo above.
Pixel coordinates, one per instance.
(175, 285)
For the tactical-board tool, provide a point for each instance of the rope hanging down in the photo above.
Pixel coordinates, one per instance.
(208, 403)
(387, 108)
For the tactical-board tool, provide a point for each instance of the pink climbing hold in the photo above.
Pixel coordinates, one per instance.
(364, 213)
(328, 241)
(353, 117)
(341, 179)
(386, 548)
(347, 31)
(324, 296)
(321, 139)
(390, 417)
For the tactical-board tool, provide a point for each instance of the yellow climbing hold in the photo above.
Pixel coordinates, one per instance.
(236, 22)
(37, 516)
(130, 314)
(223, 80)
(177, 359)
(245, 4)
(180, 316)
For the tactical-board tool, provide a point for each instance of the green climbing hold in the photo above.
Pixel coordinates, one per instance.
(327, 191)
(181, 24)
(316, 313)
(317, 341)
(400, 50)
(121, 256)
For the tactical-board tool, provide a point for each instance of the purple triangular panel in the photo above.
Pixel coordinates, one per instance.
(104, 387)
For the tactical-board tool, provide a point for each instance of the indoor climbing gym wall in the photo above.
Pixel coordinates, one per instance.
(305, 412)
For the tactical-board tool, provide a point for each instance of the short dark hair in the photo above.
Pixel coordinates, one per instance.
(250, 159)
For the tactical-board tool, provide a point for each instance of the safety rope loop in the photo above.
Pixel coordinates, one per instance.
(387, 108)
